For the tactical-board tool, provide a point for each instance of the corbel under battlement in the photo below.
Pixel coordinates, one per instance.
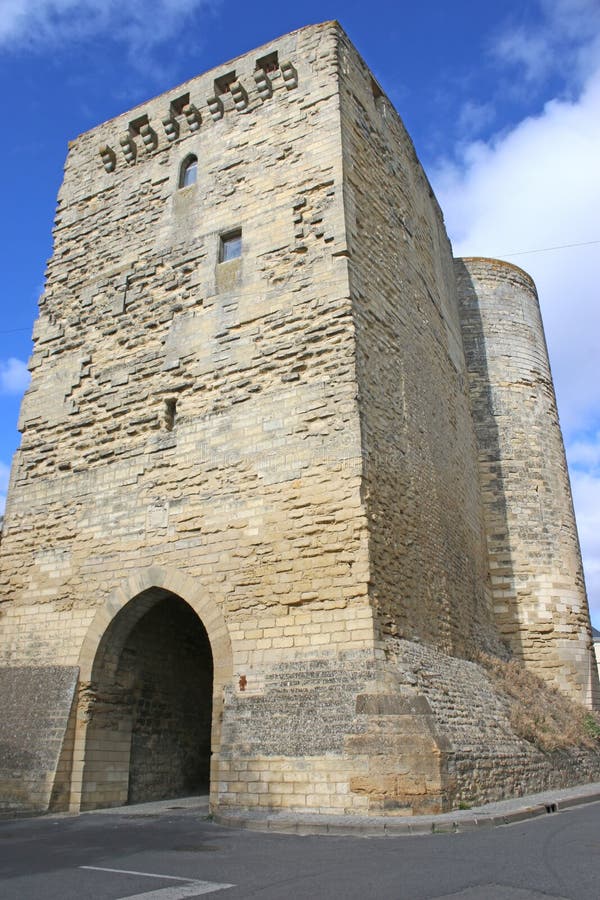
(184, 116)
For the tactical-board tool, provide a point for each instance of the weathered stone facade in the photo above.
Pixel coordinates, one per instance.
(281, 456)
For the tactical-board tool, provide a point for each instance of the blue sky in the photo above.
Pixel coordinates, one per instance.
(502, 101)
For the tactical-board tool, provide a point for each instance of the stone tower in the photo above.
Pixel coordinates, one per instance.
(260, 519)
(535, 562)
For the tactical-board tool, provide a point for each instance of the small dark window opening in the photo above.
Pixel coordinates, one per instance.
(268, 63)
(378, 95)
(223, 84)
(230, 245)
(178, 104)
(189, 171)
(170, 413)
(377, 92)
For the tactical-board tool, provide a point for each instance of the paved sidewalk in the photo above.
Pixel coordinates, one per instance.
(197, 804)
(492, 814)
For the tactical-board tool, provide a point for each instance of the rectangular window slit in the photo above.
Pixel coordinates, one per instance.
(377, 92)
(230, 245)
(170, 413)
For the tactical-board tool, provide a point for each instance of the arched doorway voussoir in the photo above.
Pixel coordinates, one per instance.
(185, 586)
(140, 586)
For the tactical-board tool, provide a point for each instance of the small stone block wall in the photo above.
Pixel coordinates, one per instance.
(36, 702)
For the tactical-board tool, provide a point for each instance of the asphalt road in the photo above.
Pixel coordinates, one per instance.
(175, 855)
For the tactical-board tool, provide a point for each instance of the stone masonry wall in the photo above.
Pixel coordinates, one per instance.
(255, 486)
(537, 576)
(35, 700)
(189, 413)
(486, 760)
(282, 439)
(427, 546)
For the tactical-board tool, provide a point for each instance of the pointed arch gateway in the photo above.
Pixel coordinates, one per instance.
(153, 666)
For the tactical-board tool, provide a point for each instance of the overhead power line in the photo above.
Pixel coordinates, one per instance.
(501, 255)
(547, 249)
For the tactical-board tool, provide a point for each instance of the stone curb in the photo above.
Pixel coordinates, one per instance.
(504, 812)
(492, 816)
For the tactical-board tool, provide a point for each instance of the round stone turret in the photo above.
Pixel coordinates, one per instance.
(535, 562)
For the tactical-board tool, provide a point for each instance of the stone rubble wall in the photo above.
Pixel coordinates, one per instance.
(486, 761)
(36, 700)
(283, 746)
(426, 537)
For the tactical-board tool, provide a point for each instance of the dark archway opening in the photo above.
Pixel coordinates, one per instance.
(149, 735)
(168, 658)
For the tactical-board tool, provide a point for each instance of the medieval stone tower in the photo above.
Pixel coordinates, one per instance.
(286, 467)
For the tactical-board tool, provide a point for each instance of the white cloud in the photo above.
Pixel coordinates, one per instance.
(539, 186)
(584, 452)
(586, 496)
(564, 39)
(14, 376)
(139, 24)
(527, 50)
(4, 475)
(536, 186)
(474, 117)
(584, 461)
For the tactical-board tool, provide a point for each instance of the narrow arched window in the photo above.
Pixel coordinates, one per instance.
(189, 171)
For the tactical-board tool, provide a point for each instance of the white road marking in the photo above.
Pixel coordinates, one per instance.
(143, 874)
(192, 888)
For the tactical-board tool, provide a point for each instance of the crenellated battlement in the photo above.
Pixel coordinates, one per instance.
(186, 113)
